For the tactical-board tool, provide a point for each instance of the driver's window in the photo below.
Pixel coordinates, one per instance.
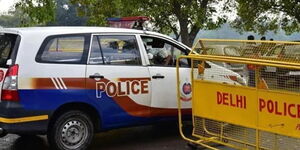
(163, 53)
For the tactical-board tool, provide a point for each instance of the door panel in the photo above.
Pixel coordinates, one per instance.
(162, 55)
(117, 80)
(164, 95)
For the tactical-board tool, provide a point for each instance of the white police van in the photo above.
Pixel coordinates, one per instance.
(70, 82)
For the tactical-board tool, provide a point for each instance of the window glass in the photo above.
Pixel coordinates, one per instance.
(275, 51)
(67, 49)
(7, 44)
(232, 51)
(115, 50)
(96, 55)
(163, 53)
(210, 51)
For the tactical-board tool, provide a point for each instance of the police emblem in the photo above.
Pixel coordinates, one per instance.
(186, 88)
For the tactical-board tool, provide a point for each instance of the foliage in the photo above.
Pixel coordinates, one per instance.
(39, 11)
(183, 18)
(66, 15)
(10, 20)
(267, 15)
(49, 12)
(98, 11)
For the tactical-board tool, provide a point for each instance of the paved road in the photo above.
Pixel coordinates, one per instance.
(163, 137)
(153, 137)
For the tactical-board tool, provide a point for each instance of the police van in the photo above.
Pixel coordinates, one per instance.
(72, 82)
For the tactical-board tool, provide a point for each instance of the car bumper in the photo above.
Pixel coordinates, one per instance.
(15, 119)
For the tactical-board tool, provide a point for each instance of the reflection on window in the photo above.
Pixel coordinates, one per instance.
(162, 53)
(232, 51)
(63, 50)
(115, 50)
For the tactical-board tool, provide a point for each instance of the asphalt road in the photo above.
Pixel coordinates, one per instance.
(163, 136)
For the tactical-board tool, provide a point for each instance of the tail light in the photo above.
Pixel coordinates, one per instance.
(10, 85)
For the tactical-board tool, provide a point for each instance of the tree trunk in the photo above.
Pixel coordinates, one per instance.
(192, 35)
(184, 32)
(183, 23)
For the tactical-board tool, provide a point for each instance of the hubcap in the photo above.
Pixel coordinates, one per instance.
(73, 134)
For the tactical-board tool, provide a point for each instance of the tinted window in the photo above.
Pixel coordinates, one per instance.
(115, 50)
(63, 49)
(7, 44)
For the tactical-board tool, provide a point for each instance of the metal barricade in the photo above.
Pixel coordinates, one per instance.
(262, 114)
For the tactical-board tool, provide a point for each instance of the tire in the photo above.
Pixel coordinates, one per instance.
(73, 130)
(3, 134)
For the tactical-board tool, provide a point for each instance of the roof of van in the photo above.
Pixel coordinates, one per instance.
(54, 30)
(77, 29)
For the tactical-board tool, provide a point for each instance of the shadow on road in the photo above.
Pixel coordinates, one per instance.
(29, 142)
(164, 136)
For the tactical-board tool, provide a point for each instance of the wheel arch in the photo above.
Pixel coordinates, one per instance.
(89, 109)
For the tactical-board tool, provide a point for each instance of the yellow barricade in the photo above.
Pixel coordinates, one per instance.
(264, 113)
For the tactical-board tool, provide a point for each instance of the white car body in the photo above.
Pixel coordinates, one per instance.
(57, 67)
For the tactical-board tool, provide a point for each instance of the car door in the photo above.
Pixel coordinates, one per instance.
(162, 55)
(117, 79)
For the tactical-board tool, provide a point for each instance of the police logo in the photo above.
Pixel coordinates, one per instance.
(186, 88)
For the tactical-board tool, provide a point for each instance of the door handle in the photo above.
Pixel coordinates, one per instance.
(158, 77)
(96, 76)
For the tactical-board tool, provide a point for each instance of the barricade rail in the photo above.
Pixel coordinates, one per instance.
(263, 114)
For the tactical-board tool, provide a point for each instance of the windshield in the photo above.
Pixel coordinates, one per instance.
(7, 44)
(292, 50)
(232, 51)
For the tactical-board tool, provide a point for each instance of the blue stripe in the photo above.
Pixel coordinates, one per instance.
(112, 115)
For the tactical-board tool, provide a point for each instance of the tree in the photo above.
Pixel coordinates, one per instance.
(97, 11)
(49, 12)
(267, 15)
(183, 18)
(66, 15)
(39, 11)
(12, 18)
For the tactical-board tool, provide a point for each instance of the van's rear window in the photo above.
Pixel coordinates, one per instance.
(7, 44)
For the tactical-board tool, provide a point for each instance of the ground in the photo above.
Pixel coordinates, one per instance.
(152, 137)
(163, 136)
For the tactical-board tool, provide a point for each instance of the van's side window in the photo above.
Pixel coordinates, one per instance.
(115, 50)
(62, 49)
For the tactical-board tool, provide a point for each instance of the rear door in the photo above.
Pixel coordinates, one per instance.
(9, 44)
(117, 79)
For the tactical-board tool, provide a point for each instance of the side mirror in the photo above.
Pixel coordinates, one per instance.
(150, 56)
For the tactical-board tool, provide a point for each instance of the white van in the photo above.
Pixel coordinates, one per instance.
(70, 82)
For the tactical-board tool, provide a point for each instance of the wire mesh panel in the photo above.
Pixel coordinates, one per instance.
(243, 137)
(245, 94)
(282, 78)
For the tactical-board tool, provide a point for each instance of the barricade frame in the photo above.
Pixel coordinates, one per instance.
(194, 56)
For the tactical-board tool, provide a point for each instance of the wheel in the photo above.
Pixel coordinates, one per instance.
(72, 130)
